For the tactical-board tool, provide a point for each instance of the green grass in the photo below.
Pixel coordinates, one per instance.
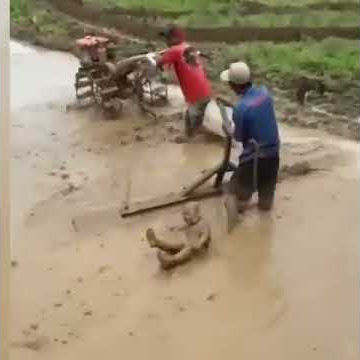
(298, 2)
(212, 18)
(211, 13)
(333, 58)
(177, 5)
(311, 18)
(32, 21)
(199, 5)
(46, 23)
(19, 10)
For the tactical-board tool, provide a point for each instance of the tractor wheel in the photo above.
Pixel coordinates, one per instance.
(83, 85)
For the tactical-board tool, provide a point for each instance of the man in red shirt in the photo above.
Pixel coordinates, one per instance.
(195, 86)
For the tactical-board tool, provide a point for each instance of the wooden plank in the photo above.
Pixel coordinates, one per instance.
(208, 174)
(166, 201)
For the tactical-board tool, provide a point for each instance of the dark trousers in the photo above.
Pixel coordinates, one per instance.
(242, 182)
(194, 116)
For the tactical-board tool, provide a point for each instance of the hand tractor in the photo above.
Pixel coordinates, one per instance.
(106, 81)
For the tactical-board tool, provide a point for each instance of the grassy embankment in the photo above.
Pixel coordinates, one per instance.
(36, 22)
(331, 58)
(337, 59)
(214, 13)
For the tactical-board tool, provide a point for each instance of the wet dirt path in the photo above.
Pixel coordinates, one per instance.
(85, 285)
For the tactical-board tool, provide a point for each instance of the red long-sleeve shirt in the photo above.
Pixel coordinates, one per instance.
(192, 78)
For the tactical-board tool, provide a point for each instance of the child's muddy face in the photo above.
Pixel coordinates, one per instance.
(187, 218)
(191, 214)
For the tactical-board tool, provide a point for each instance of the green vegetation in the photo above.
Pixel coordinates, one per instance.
(201, 5)
(19, 10)
(313, 18)
(212, 13)
(213, 18)
(298, 2)
(331, 58)
(178, 5)
(34, 21)
(46, 23)
(27, 13)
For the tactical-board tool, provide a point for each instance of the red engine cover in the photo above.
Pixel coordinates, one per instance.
(92, 41)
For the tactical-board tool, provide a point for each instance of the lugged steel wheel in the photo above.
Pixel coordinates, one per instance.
(83, 82)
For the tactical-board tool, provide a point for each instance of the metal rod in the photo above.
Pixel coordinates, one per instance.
(205, 177)
(169, 200)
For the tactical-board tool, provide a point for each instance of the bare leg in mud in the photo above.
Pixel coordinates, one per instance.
(155, 242)
(168, 261)
(194, 118)
(202, 233)
(196, 238)
(169, 254)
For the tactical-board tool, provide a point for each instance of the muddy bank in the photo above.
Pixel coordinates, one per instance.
(29, 34)
(335, 112)
(321, 117)
(145, 28)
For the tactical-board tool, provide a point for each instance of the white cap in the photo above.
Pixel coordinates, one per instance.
(238, 73)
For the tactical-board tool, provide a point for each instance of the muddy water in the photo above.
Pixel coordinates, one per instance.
(282, 286)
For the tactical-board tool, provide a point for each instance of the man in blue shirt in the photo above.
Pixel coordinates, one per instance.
(256, 128)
